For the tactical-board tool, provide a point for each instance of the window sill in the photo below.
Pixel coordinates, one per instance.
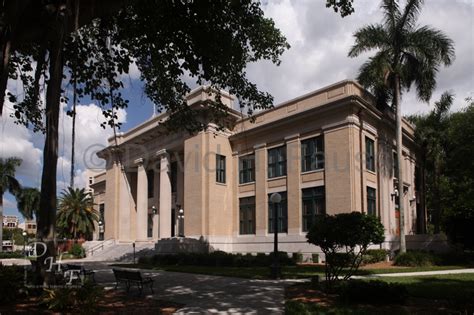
(371, 172)
(279, 234)
(221, 184)
(313, 171)
(245, 184)
(246, 235)
(276, 178)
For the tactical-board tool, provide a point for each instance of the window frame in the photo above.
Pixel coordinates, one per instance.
(318, 194)
(282, 213)
(276, 168)
(369, 154)
(371, 200)
(247, 169)
(312, 154)
(220, 169)
(247, 216)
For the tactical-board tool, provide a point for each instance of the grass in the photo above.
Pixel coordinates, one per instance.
(300, 308)
(456, 288)
(288, 272)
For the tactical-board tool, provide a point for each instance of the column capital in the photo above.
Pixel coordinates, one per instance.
(139, 162)
(292, 137)
(260, 146)
(162, 153)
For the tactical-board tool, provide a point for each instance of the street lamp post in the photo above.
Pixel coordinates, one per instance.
(275, 199)
(24, 242)
(180, 222)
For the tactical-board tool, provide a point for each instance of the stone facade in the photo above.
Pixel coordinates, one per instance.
(313, 150)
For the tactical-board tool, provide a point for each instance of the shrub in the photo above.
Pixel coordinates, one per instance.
(83, 299)
(373, 256)
(215, 259)
(344, 239)
(77, 251)
(297, 257)
(415, 259)
(372, 292)
(17, 254)
(11, 283)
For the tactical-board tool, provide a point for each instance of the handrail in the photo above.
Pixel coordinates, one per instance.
(100, 245)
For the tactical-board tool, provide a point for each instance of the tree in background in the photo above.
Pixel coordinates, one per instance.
(344, 239)
(28, 200)
(76, 213)
(447, 142)
(406, 54)
(8, 183)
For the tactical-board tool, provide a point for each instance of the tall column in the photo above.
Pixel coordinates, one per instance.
(293, 157)
(261, 203)
(142, 201)
(165, 194)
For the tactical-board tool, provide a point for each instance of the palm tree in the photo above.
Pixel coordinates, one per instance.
(406, 54)
(9, 183)
(28, 200)
(76, 213)
(431, 136)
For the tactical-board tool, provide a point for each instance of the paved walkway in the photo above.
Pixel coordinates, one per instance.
(204, 294)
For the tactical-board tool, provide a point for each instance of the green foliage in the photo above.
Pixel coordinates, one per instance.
(216, 259)
(297, 257)
(372, 256)
(83, 299)
(371, 292)
(344, 239)
(17, 254)
(15, 235)
(11, 283)
(77, 251)
(345, 7)
(28, 200)
(415, 259)
(76, 213)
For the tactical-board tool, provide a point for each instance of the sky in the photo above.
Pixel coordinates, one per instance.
(320, 40)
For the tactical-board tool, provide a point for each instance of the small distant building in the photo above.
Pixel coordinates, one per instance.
(29, 226)
(10, 221)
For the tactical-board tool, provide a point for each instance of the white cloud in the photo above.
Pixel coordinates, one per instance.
(321, 39)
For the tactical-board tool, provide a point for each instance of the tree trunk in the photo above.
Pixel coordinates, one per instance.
(399, 133)
(1, 219)
(73, 142)
(47, 210)
(4, 69)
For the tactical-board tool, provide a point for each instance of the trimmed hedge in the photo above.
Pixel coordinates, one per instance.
(215, 259)
(11, 283)
(17, 254)
(372, 292)
(373, 256)
(416, 259)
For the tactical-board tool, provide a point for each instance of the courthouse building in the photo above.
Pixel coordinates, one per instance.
(328, 151)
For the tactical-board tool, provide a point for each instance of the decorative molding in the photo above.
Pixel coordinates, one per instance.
(292, 137)
(162, 153)
(260, 146)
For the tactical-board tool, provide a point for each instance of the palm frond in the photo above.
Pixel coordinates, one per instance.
(369, 37)
(444, 104)
(391, 12)
(410, 14)
(431, 45)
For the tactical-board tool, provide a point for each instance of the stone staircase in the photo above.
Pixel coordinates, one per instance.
(112, 251)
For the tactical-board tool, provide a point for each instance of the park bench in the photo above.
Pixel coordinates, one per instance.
(129, 277)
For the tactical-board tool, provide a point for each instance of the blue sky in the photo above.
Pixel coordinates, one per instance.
(320, 40)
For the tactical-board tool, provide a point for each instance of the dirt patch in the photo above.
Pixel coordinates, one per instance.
(114, 302)
(382, 265)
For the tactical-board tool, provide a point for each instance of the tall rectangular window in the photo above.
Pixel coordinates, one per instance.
(371, 201)
(150, 176)
(312, 154)
(220, 168)
(277, 162)
(247, 215)
(282, 214)
(369, 154)
(314, 203)
(247, 169)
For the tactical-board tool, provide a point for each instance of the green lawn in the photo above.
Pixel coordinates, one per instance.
(456, 288)
(288, 272)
